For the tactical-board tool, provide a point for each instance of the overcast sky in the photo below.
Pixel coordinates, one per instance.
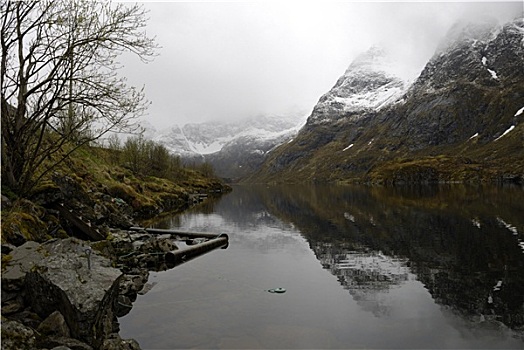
(223, 60)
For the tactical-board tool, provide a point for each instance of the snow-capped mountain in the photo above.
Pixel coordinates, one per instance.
(460, 120)
(199, 139)
(371, 82)
(234, 148)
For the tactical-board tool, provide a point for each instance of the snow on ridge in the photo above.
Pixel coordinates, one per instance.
(476, 135)
(252, 132)
(514, 231)
(493, 74)
(373, 81)
(510, 227)
(202, 148)
(519, 112)
(497, 287)
(476, 223)
(348, 147)
(211, 137)
(505, 132)
(520, 29)
(374, 99)
(491, 71)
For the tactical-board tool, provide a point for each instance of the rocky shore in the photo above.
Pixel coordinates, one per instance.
(67, 293)
(72, 263)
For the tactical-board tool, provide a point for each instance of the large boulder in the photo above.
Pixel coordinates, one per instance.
(69, 277)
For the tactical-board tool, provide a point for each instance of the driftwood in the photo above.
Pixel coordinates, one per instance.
(177, 233)
(180, 256)
(210, 241)
(85, 228)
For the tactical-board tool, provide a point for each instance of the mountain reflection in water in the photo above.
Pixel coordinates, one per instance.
(365, 274)
(463, 244)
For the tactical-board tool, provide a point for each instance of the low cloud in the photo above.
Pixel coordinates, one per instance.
(236, 60)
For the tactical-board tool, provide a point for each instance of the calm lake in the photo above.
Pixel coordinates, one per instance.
(388, 268)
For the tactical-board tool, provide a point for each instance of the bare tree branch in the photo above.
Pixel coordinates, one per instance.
(58, 80)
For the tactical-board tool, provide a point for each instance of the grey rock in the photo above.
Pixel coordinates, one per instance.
(131, 284)
(54, 325)
(147, 288)
(7, 248)
(155, 245)
(57, 276)
(124, 305)
(114, 342)
(23, 259)
(27, 318)
(84, 296)
(12, 306)
(6, 202)
(16, 336)
(121, 242)
(63, 343)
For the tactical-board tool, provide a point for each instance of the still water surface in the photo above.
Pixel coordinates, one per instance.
(426, 267)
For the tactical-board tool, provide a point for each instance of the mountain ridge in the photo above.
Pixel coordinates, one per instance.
(473, 85)
(194, 140)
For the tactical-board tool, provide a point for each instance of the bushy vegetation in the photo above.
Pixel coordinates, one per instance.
(148, 158)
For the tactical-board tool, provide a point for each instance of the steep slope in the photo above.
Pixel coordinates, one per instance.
(459, 120)
(244, 155)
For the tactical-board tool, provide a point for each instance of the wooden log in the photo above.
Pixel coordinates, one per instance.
(84, 228)
(178, 233)
(180, 256)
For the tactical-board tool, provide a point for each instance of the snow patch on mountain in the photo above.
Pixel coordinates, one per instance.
(493, 74)
(377, 99)
(505, 132)
(371, 82)
(348, 147)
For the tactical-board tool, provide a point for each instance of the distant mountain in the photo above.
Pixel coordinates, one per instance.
(460, 120)
(235, 148)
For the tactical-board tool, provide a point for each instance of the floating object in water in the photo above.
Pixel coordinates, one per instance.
(277, 290)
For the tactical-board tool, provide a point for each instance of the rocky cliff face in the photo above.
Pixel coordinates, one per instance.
(244, 155)
(461, 119)
(472, 87)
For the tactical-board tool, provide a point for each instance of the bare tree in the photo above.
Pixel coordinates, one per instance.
(59, 83)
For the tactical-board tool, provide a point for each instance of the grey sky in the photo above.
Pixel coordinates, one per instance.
(234, 60)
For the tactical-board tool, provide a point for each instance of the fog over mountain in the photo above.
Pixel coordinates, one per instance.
(229, 61)
(459, 120)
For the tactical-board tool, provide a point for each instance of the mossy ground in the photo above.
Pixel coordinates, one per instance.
(92, 178)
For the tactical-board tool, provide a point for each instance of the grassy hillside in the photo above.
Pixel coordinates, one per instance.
(102, 193)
